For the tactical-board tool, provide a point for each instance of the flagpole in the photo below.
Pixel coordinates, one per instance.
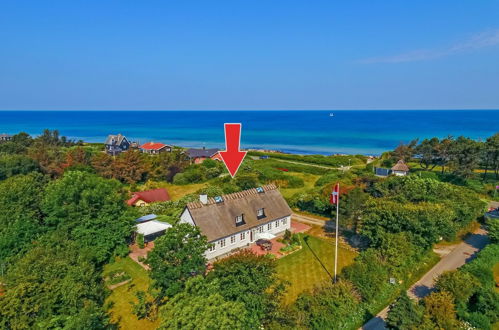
(336, 241)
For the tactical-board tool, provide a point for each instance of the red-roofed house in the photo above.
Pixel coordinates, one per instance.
(143, 198)
(154, 148)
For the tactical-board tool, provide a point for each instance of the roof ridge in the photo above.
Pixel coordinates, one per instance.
(232, 196)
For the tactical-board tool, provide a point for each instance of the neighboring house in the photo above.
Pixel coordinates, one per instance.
(400, 169)
(151, 228)
(5, 137)
(197, 156)
(235, 220)
(116, 144)
(143, 198)
(154, 148)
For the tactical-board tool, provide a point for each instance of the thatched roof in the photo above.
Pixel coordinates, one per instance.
(217, 220)
(400, 166)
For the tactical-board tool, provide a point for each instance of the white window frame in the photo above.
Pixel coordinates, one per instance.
(260, 213)
(269, 226)
(212, 247)
(284, 221)
(242, 236)
(277, 224)
(239, 219)
(222, 243)
(233, 239)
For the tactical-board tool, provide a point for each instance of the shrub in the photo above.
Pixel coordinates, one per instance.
(140, 241)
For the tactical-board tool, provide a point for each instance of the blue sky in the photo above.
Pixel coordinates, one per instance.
(268, 54)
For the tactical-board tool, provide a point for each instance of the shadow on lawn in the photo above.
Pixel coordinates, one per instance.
(305, 239)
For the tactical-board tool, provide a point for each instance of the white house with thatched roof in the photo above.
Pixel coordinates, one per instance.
(400, 169)
(236, 220)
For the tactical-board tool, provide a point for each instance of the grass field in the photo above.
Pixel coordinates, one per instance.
(311, 265)
(120, 298)
(308, 179)
(175, 191)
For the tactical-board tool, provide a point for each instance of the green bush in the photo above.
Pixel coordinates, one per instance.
(140, 241)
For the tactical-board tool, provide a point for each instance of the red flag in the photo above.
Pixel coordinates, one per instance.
(335, 194)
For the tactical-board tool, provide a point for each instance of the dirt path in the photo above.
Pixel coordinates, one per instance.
(459, 255)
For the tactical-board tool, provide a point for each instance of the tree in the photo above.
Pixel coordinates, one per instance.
(201, 306)
(491, 155)
(246, 181)
(439, 307)
(404, 151)
(460, 284)
(397, 251)
(129, 167)
(177, 256)
(21, 219)
(11, 165)
(329, 307)
(91, 211)
(352, 208)
(103, 165)
(251, 280)
(368, 273)
(404, 314)
(52, 286)
(428, 153)
(464, 156)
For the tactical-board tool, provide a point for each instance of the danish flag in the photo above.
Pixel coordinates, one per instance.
(335, 194)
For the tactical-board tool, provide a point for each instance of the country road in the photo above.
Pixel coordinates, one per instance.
(459, 255)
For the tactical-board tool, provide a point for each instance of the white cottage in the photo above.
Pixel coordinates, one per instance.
(236, 220)
(400, 169)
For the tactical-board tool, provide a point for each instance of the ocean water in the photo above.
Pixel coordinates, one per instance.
(307, 132)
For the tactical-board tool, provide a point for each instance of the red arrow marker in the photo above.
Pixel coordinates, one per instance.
(232, 156)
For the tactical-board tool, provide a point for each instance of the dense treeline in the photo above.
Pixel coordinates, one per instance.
(459, 156)
(55, 236)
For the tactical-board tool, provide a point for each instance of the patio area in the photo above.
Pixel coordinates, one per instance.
(296, 227)
(136, 253)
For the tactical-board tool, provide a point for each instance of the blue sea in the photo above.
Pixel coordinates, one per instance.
(307, 132)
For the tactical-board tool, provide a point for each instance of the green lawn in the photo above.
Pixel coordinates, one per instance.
(175, 191)
(311, 265)
(120, 298)
(308, 179)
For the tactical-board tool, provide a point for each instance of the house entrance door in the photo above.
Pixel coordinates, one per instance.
(252, 236)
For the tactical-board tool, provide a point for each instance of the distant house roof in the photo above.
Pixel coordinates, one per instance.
(217, 219)
(153, 146)
(115, 139)
(150, 196)
(152, 227)
(400, 166)
(4, 135)
(198, 153)
(145, 218)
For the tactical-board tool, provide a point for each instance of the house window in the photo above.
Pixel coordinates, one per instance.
(239, 220)
(284, 221)
(269, 226)
(260, 229)
(212, 248)
(277, 223)
(233, 239)
(260, 213)
(222, 242)
(243, 236)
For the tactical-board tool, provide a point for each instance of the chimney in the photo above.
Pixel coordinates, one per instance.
(203, 199)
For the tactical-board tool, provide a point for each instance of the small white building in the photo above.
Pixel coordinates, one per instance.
(236, 220)
(400, 169)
